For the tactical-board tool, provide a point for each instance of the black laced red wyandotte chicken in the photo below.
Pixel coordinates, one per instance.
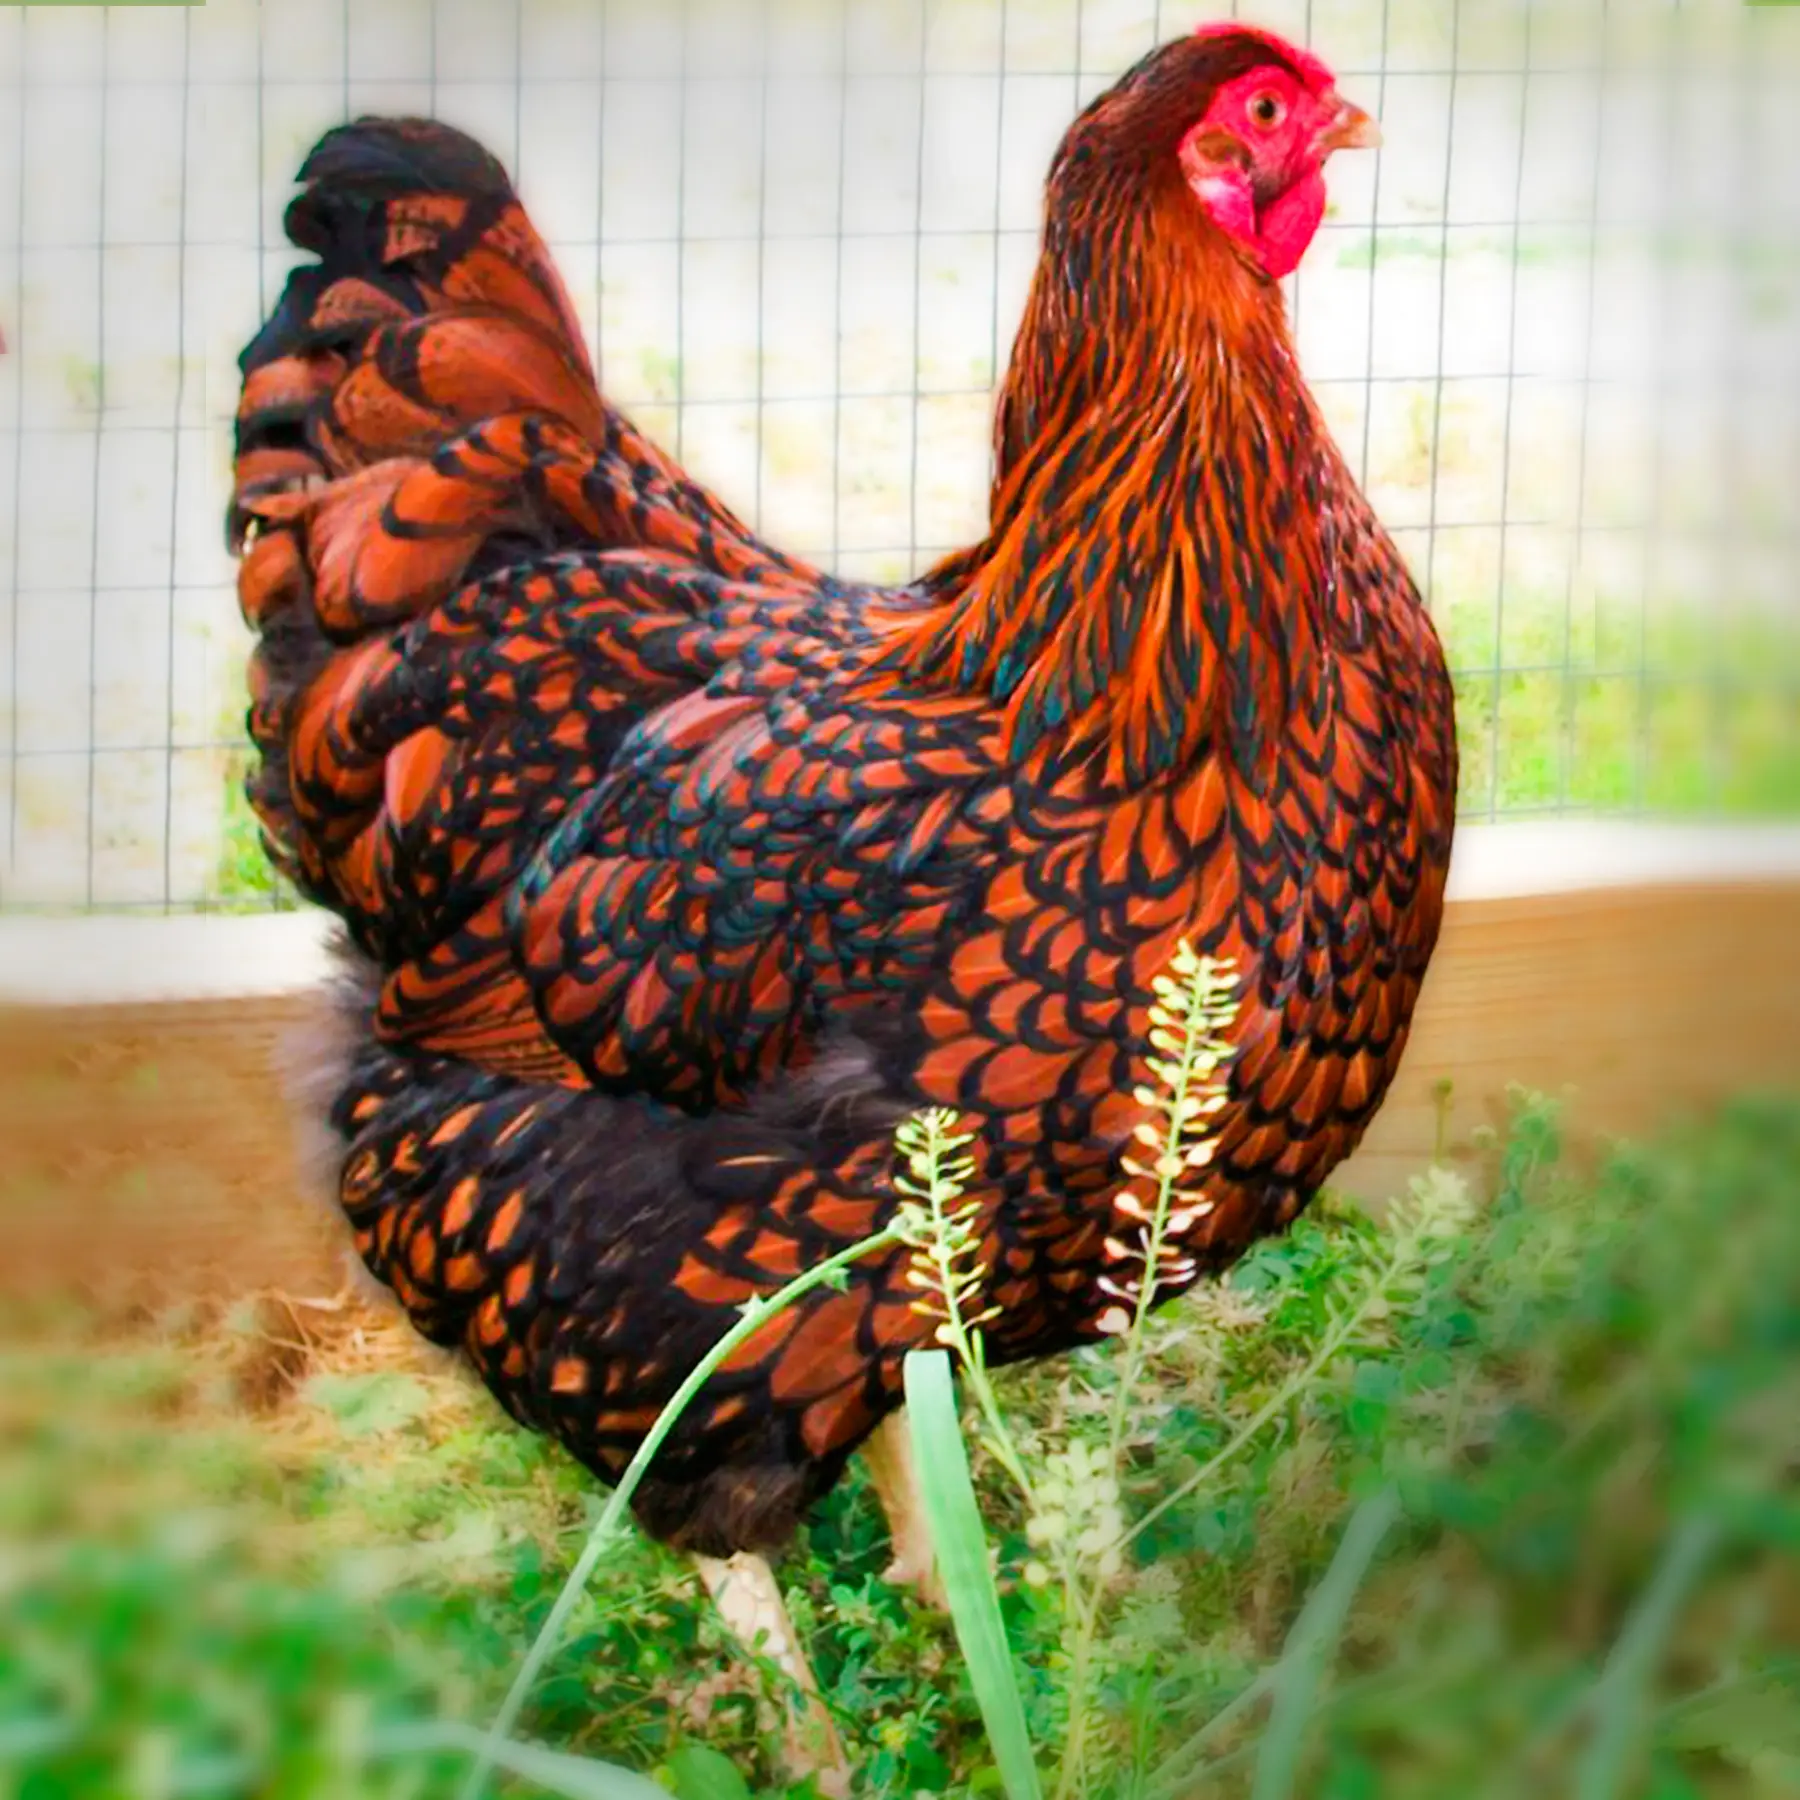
(676, 872)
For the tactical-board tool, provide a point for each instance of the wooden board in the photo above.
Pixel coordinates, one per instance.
(147, 1154)
(1637, 1005)
(146, 1149)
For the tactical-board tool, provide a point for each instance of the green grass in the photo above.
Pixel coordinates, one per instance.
(1601, 708)
(249, 1555)
(1427, 244)
(243, 872)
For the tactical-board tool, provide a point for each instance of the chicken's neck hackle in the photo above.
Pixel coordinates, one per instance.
(1156, 567)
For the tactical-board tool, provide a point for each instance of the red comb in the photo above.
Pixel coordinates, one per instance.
(1312, 71)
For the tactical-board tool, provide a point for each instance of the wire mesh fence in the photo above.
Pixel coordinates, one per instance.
(1555, 324)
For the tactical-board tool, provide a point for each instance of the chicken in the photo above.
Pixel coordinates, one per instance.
(676, 872)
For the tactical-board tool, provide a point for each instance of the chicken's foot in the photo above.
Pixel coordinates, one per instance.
(749, 1601)
(888, 1455)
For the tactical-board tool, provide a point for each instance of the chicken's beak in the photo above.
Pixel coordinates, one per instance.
(1352, 129)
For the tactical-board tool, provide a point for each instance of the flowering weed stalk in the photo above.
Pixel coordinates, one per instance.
(1160, 1203)
(938, 1223)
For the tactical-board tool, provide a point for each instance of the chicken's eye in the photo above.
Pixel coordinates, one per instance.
(1267, 111)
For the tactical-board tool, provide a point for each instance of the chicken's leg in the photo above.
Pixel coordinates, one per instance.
(888, 1452)
(744, 1589)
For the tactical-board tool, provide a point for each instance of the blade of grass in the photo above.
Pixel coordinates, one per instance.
(1310, 1644)
(1343, 1694)
(1618, 1694)
(961, 1545)
(551, 1632)
(550, 1771)
(554, 1771)
(1168, 1777)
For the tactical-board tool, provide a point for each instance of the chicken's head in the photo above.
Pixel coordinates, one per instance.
(1256, 159)
(1249, 122)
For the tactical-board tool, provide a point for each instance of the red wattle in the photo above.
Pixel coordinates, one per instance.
(1288, 222)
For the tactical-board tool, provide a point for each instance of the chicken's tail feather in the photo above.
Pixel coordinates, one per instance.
(409, 218)
(456, 559)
